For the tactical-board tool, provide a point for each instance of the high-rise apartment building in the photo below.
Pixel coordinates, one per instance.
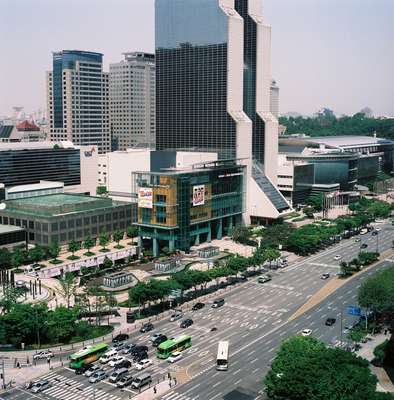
(274, 99)
(132, 101)
(78, 99)
(213, 83)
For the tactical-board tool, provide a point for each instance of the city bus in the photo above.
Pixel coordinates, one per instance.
(87, 355)
(222, 357)
(165, 349)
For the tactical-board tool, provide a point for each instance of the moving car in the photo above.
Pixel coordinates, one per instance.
(364, 231)
(119, 345)
(337, 257)
(82, 369)
(330, 321)
(140, 356)
(147, 327)
(116, 360)
(186, 323)
(109, 355)
(306, 332)
(120, 338)
(43, 354)
(155, 336)
(324, 276)
(141, 380)
(98, 376)
(127, 349)
(364, 246)
(177, 315)
(218, 303)
(118, 374)
(138, 349)
(174, 357)
(159, 339)
(263, 279)
(92, 370)
(40, 386)
(124, 364)
(357, 240)
(124, 381)
(198, 306)
(143, 364)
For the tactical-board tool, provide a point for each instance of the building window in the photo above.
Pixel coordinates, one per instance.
(71, 223)
(161, 198)
(86, 221)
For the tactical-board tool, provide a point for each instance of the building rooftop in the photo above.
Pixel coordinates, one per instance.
(34, 145)
(9, 229)
(58, 204)
(27, 126)
(35, 186)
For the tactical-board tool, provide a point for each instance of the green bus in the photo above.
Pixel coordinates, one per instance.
(88, 355)
(165, 349)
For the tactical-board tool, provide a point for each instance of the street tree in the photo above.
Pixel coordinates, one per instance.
(118, 236)
(73, 246)
(5, 259)
(89, 243)
(18, 258)
(305, 368)
(271, 254)
(54, 250)
(36, 254)
(104, 240)
(132, 231)
(68, 287)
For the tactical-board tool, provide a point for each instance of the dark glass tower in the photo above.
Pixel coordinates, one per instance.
(213, 84)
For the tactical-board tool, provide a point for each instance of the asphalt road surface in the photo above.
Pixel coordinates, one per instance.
(254, 320)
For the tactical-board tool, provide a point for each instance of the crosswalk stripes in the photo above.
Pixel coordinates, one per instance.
(176, 396)
(64, 388)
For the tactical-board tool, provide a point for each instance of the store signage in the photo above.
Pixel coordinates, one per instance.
(198, 195)
(145, 198)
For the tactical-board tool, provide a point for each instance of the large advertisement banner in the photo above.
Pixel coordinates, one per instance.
(198, 195)
(145, 198)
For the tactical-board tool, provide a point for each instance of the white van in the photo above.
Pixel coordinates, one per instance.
(108, 356)
(364, 231)
(118, 374)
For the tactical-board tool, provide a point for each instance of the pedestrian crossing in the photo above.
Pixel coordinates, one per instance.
(64, 388)
(176, 396)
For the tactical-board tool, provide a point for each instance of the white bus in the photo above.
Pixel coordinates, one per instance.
(222, 357)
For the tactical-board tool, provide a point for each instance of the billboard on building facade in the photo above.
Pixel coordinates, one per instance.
(145, 197)
(198, 195)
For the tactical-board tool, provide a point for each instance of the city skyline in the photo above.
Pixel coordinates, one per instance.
(330, 68)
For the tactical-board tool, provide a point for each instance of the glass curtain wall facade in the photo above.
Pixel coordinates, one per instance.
(23, 167)
(191, 78)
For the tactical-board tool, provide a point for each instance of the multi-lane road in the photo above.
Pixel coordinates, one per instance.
(254, 319)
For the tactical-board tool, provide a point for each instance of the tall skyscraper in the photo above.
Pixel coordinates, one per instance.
(213, 82)
(78, 99)
(274, 99)
(132, 101)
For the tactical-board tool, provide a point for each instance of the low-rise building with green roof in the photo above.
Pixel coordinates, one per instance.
(64, 217)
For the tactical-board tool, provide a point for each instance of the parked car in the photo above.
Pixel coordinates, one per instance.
(143, 364)
(120, 338)
(147, 327)
(43, 354)
(174, 357)
(116, 360)
(330, 321)
(198, 306)
(98, 376)
(160, 339)
(186, 323)
(40, 386)
(124, 381)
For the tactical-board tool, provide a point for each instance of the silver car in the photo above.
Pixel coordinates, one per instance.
(98, 376)
(40, 386)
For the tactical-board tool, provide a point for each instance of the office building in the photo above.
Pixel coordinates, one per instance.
(60, 218)
(132, 101)
(23, 132)
(274, 99)
(181, 208)
(12, 236)
(213, 83)
(29, 163)
(78, 99)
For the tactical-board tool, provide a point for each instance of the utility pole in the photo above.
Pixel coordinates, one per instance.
(3, 374)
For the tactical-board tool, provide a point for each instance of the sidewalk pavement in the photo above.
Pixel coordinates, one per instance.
(161, 388)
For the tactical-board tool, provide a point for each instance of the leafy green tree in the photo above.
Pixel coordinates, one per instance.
(60, 323)
(73, 246)
(132, 231)
(118, 236)
(376, 293)
(243, 235)
(9, 298)
(68, 287)
(104, 240)
(316, 201)
(89, 243)
(305, 368)
(271, 255)
(37, 254)
(54, 250)
(18, 258)
(5, 259)
(108, 263)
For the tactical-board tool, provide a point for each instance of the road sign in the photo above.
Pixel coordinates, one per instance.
(353, 310)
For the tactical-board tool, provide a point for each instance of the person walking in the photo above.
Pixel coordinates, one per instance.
(154, 390)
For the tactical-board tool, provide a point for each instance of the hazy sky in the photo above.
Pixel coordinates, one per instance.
(334, 53)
